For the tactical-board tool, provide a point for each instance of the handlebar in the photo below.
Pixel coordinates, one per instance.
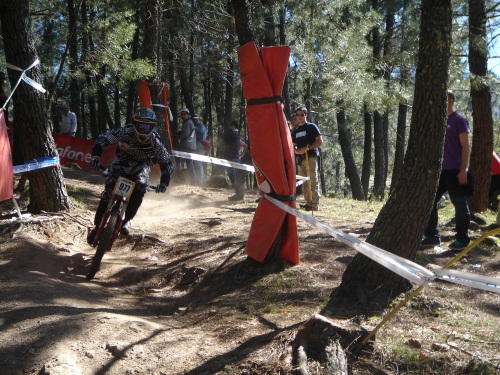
(106, 172)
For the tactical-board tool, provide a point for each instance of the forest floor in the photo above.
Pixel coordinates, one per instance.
(179, 296)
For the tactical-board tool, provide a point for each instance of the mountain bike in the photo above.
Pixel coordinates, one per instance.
(111, 222)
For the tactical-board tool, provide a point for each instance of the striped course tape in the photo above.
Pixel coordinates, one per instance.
(24, 78)
(225, 163)
(38, 163)
(401, 266)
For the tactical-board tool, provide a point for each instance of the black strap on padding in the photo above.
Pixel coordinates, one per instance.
(271, 99)
(283, 198)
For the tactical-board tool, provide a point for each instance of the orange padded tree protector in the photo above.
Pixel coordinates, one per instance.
(166, 114)
(271, 149)
(7, 175)
(145, 101)
(144, 95)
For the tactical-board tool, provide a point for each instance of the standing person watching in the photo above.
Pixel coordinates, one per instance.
(307, 138)
(201, 135)
(187, 141)
(453, 179)
(68, 122)
(231, 139)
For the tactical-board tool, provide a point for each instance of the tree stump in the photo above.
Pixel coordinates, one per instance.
(327, 342)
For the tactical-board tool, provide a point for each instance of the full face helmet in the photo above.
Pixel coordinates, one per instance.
(144, 124)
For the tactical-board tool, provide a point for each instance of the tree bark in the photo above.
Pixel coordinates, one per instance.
(243, 21)
(378, 125)
(74, 83)
(366, 285)
(367, 152)
(400, 144)
(350, 164)
(378, 143)
(403, 105)
(47, 188)
(86, 51)
(482, 134)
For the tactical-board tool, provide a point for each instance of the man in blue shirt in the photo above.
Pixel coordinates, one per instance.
(307, 139)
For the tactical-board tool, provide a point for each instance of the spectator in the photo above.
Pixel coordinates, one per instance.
(68, 122)
(187, 141)
(453, 179)
(201, 135)
(231, 139)
(307, 139)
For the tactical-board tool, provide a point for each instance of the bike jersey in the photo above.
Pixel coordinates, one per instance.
(134, 152)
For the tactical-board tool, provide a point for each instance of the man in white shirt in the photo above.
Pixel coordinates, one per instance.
(68, 123)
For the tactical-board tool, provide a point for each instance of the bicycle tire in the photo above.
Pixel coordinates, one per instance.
(103, 245)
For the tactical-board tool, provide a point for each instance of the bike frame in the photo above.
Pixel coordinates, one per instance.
(117, 203)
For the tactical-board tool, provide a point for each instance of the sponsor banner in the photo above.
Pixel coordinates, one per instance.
(79, 151)
(401, 266)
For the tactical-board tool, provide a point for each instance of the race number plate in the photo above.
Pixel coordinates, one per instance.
(124, 187)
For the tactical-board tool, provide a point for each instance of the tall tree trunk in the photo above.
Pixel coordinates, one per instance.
(378, 125)
(243, 21)
(350, 165)
(152, 52)
(132, 86)
(282, 41)
(400, 144)
(482, 134)
(403, 105)
(116, 96)
(105, 113)
(86, 51)
(366, 285)
(367, 152)
(74, 83)
(47, 188)
(187, 95)
(378, 142)
(388, 41)
(229, 92)
(269, 25)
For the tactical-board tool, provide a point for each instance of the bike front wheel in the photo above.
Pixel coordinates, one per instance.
(104, 244)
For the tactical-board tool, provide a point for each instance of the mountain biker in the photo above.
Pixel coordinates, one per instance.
(139, 147)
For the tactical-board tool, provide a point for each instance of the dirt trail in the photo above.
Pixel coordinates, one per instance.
(177, 297)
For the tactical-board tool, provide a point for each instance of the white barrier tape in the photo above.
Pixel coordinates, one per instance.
(24, 78)
(401, 266)
(209, 159)
(171, 117)
(43, 162)
(34, 84)
(491, 284)
(226, 163)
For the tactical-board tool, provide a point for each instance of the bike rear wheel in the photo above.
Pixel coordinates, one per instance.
(104, 245)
